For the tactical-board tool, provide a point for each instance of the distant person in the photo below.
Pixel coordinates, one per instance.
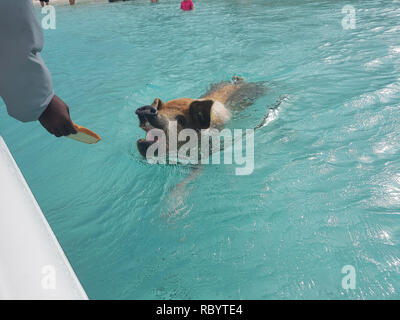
(153, 1)
(44, 1)
(187, 5)
(25, 82)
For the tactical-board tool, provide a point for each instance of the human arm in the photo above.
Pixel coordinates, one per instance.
(25, 82)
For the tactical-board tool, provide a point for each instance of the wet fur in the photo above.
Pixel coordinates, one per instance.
(212, 110)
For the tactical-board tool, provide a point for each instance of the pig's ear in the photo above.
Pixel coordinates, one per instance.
(157, 103)
(200, 113)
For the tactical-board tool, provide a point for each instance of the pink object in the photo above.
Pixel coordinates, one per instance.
(187, 5)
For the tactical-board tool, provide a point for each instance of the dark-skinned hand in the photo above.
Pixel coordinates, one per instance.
(56, 119)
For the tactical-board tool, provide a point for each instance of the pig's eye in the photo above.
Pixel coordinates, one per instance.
(181, 120)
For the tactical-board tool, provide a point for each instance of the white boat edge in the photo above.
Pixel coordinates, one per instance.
(33, 265)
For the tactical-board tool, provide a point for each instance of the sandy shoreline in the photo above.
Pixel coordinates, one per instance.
(66, 2)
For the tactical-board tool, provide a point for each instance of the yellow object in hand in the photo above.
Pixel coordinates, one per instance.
(84, 135)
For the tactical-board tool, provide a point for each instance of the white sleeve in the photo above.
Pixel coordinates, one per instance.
(25, 82)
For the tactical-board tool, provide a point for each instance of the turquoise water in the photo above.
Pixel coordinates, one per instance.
(325, 191)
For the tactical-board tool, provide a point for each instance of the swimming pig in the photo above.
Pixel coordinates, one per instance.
(212, 110)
